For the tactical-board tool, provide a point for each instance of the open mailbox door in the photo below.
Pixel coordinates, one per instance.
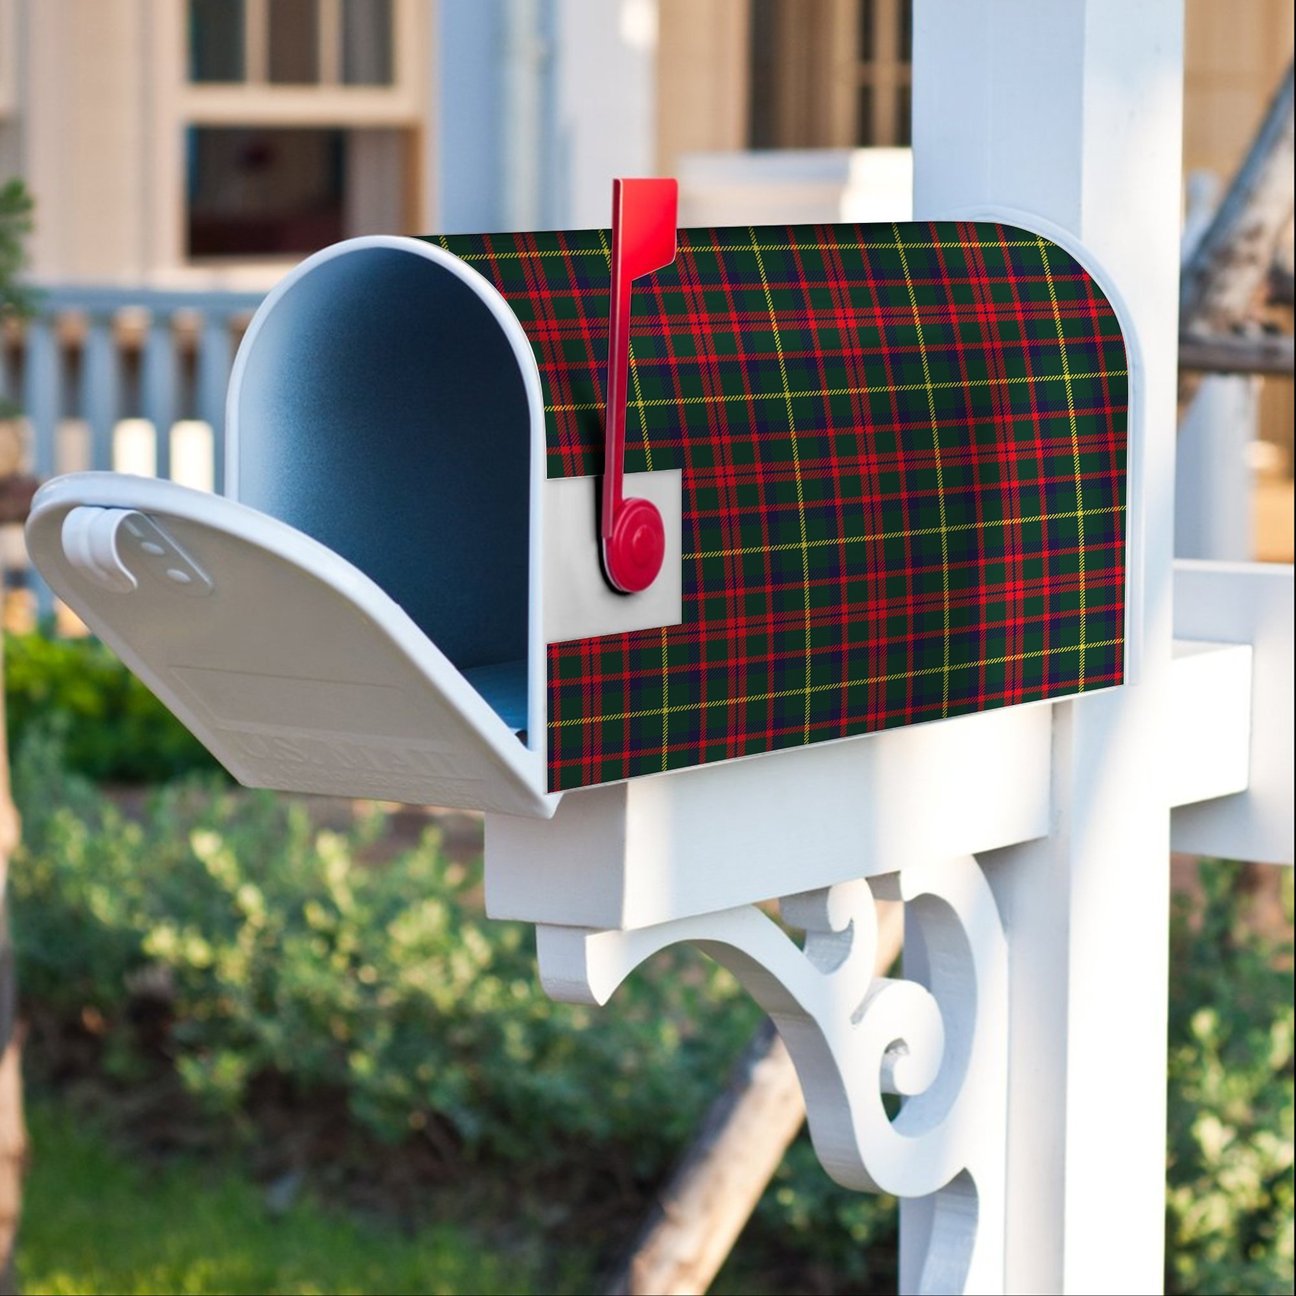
(293, 667)
(363, 618)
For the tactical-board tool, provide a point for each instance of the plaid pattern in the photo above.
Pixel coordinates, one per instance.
(903, 452)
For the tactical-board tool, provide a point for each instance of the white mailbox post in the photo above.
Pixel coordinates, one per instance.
(312, 637)
(1032, 847)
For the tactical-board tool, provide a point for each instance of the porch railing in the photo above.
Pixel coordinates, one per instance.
(131, 380)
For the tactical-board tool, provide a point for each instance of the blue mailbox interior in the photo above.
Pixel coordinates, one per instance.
(382, 411)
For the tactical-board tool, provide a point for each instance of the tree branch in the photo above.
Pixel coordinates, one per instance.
(1227, 274)
(1237, 353)
(707, 1201)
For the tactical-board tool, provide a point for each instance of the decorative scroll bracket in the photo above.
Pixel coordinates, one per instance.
(937, 1037)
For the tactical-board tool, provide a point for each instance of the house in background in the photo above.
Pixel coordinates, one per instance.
(203, 146)
(212, 142)
(209, 143)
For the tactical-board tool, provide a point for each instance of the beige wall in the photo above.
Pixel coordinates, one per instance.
(83, 113)
(1234, 55)
(701, 78)
(96, 126)
(1235, 51)
(9, 141)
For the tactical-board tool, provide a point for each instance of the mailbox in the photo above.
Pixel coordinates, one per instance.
(886, 468)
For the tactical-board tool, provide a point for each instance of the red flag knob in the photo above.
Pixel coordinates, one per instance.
(633, 553)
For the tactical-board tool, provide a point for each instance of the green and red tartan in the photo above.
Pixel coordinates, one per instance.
(903, 452)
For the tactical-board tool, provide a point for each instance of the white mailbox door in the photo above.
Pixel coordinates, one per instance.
(287, 662)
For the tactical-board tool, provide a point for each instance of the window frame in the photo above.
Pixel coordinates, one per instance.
(255, 100)
(815, 96)
(181, 104)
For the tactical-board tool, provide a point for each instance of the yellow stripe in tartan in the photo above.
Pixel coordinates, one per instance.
(665, 764)
(940, 472)
(909, 533)
(833, 686)
(524, 254)
(923, 245)
(1075, 457)
(658, 402)
(796, 465)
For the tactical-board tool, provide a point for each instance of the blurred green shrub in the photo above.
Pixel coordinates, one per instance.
(1229, 1203)
(281, 953)
(113, 729)
(17, 300)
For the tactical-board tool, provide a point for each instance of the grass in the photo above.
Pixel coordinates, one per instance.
(95, 1221)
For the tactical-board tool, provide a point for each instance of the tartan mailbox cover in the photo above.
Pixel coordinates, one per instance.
(892, 460)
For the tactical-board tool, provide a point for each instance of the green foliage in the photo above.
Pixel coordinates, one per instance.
(94, 1221)
(15, 225)
(112, 727)
(283, 954)
(1230, 1198)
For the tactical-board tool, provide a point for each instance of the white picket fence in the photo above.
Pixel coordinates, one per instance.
(131, 380)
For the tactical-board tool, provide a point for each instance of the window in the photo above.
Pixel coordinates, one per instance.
(276, 192)
(296, 123)
(830, 73)
(216, 49)
(293, 54)
(264, 192)
(366, 42)
(884, 69)
(291, 42)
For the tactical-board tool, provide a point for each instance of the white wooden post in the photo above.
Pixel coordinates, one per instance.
(1071, 112)
(1214, 514)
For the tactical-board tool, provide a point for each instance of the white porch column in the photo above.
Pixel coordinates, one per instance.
(604, 90)
(1214, 511)
(1071, 112)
